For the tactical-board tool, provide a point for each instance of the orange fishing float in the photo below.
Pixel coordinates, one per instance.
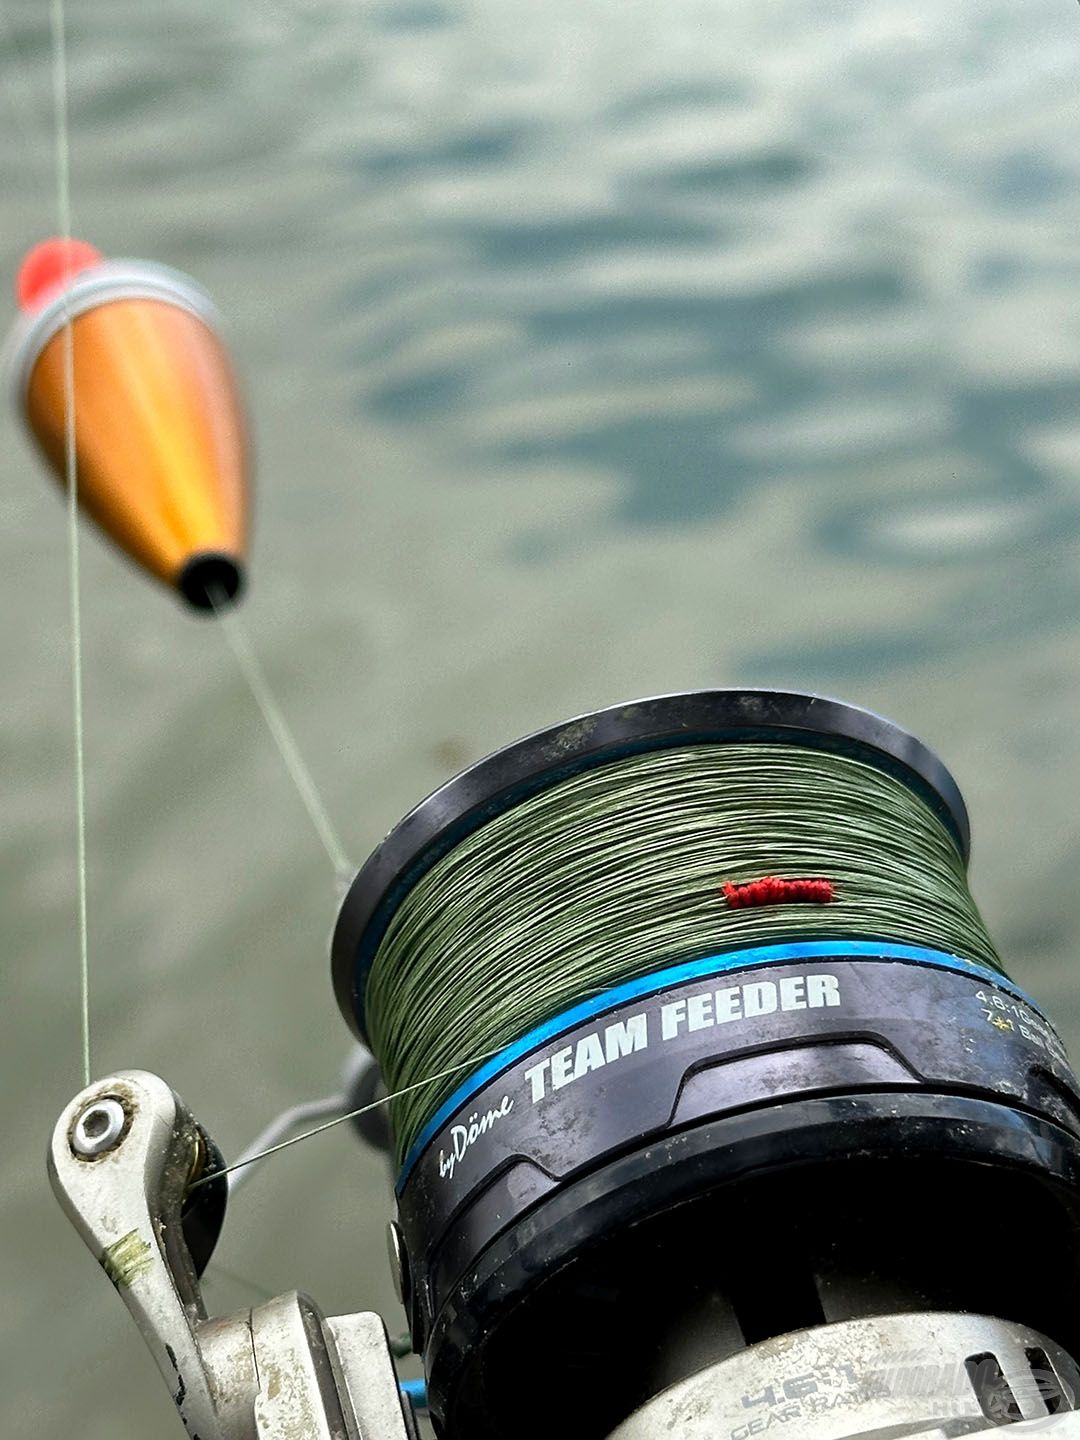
(161, 441)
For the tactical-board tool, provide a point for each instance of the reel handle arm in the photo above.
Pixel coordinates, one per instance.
(121, 1160)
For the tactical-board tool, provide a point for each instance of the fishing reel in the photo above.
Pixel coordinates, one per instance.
(816, 1184)
(124, 1158)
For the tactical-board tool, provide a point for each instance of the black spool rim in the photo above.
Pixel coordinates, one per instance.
(536, 762)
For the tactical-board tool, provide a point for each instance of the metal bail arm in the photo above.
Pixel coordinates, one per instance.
(122, 1156)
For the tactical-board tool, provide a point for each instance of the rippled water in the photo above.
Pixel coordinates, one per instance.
(595, 348)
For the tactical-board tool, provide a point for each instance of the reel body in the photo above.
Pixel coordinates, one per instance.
(284, 1371)
(825, 1186)
(736, 1147)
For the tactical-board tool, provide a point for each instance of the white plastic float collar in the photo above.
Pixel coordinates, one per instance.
(102, 284)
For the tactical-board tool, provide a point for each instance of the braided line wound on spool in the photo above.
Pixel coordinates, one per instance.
(616, 871)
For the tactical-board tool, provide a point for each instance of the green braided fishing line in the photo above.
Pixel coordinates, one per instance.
(618, 871)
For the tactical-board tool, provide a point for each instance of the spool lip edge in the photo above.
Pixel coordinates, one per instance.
(493, 783)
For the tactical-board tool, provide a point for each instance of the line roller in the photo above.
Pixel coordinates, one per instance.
(755, 1068)
(162, 444)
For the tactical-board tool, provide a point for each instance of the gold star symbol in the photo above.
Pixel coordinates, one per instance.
(1001, 1024)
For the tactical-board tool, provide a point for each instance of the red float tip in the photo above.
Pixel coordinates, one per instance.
(48, 267)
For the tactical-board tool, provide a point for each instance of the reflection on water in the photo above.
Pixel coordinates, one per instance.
(595, 348)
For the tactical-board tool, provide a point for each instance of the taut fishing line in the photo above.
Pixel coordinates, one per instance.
(242, 651)
(218, 1271)
(611, 873)
(248, 664)
(378, 1104)
(63, 206)
(247, 661)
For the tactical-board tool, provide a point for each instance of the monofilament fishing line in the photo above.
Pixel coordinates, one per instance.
(614, 872)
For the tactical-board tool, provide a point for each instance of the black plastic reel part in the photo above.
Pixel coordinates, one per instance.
(929, 1077)
(682, 1253)
(735, 1033)
(538, 761)
(202, 1214)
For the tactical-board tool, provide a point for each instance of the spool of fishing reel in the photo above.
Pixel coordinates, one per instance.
(724, 1055)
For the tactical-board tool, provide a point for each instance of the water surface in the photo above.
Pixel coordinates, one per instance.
(595, 348)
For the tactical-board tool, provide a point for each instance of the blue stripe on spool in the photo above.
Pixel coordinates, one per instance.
(658, 980)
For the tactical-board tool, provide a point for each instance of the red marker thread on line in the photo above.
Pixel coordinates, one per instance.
(772, 890)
